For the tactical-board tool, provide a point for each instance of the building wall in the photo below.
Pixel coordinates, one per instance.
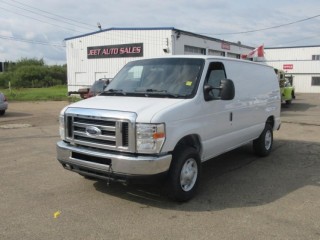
(297, 61)
(83, 71)
(211, 47)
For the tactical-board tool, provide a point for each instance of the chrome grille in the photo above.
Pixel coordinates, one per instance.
(111, 131)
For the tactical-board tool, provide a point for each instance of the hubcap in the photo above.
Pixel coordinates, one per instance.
(189, 174)
(268, 140)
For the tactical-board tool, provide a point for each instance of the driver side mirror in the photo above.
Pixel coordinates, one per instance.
(226, 90)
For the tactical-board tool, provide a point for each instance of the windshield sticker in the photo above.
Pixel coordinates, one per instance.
(188, 83)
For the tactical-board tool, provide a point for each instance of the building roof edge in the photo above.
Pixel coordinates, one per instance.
(306, 46)
(121, 29)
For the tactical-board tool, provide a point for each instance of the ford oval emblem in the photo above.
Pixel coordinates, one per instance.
(93, 131)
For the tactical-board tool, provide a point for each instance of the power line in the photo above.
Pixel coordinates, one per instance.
(32, 41)
(54, 14)
(301, 39)
(43, 15)
(263, 29)
(69, 29)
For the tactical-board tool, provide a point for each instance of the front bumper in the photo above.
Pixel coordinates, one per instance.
(102, 164)
(3, 106)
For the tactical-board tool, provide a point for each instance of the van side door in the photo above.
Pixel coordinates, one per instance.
(217, 117)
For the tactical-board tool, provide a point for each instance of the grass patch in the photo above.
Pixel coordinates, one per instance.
(56, 93)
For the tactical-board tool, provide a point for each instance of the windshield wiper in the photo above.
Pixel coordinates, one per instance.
(158, 92)
(113, 92)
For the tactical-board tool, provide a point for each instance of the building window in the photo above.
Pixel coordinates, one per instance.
(216, 53)
(315, 81)
(194, 50)
(315, 57)
(233, 55)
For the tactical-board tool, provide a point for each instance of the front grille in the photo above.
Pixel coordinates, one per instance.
(125, 134)
(96, 130)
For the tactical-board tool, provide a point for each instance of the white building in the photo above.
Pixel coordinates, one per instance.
(103, 53)
(303, 63)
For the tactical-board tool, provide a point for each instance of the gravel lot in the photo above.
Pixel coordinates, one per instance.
(241, 196)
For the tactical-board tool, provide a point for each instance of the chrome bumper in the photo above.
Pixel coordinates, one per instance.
(117, 164)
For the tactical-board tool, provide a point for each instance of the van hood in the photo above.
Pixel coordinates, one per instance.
(144, 107)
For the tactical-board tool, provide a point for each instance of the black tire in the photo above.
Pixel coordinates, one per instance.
(288, 102)
(184, 174)
(262, 146)
(2, 112)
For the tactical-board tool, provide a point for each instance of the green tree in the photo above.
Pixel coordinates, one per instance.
(33, 73)
(5, 77)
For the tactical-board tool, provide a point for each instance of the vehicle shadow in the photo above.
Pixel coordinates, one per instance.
(303, 102)
(236, 179)
(297, 107)
(9, 114)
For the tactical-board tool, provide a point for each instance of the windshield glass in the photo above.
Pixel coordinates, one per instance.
(169, 77)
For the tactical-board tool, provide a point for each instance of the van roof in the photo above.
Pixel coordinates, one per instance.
(209, 57)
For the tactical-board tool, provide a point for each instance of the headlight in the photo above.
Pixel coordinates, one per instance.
(150, 137)
(61, 126)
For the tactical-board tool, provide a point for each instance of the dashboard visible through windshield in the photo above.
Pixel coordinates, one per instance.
(166, 77)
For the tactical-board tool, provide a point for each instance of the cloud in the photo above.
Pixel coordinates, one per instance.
(209, 17)
(6, 33)
(29, 35)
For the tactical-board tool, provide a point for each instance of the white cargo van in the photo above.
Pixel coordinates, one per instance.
(165, 116)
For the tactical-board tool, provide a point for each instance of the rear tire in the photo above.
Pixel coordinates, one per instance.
(262, 146)
(184, 174)
(2, 112)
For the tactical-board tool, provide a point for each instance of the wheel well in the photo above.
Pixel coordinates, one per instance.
(270, 121)
(191, 141)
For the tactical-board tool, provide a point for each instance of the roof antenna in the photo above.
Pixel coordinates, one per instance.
(99, 26)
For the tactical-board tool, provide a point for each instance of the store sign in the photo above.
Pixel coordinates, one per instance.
(287, 66)
(116, 51)
(225, 46)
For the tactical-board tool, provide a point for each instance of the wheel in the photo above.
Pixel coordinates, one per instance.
(288, 102)
(262, 146)
(293, 95)
(2, 112)
(184, 174)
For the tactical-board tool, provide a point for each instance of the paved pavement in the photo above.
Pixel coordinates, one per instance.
(241, 196)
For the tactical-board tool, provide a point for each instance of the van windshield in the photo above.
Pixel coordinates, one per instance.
(164, 77)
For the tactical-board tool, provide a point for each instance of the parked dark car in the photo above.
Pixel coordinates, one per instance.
(3, 104)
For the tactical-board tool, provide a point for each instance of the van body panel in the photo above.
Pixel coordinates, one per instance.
(105, 141)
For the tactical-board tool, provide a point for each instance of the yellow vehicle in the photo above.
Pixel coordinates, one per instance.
(286, 88)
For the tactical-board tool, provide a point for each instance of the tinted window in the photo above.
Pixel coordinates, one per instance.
(214, 76)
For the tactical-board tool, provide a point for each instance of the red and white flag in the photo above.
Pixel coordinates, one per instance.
(257, 52)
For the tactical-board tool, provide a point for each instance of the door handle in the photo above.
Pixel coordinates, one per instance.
(231, 117)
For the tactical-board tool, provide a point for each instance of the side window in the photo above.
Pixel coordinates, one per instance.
(215, 74)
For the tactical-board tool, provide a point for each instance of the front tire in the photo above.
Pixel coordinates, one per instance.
(2, 112)
(262, 146)
(184, 174)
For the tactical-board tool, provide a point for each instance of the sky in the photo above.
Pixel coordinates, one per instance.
(37, 29)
